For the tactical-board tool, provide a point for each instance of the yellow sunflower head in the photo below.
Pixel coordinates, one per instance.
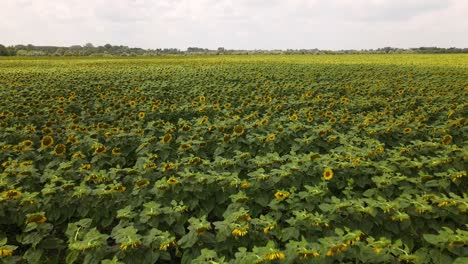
(239, 130)
(47, 141)
(60, 149)
(327, 174)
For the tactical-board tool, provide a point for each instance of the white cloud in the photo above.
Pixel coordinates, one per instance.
(267, 24)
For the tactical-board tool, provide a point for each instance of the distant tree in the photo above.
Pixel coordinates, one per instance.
(108, 46)
(89, 45)
(3, 51)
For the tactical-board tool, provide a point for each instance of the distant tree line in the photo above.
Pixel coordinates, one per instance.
(114, 50)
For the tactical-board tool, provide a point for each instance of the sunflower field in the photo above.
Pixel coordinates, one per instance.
(234, 159)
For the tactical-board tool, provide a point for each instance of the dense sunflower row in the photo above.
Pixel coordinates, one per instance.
(233, 159)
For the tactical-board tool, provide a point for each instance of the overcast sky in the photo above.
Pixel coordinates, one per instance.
(236, 24)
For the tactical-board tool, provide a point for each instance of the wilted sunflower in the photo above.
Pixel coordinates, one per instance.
(60, 149)
(328, 174)
(47, 141)
(239, 130)
(166, 139)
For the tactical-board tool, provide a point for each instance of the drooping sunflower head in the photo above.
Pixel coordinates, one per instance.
(328, 174)
(239, 130)
(47, 141)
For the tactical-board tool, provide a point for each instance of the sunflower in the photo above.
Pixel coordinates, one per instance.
(281, 195)
(6, 252)
(202, 98)
(116, 151)
(294, 117)
(270, 137)
(164, 246)
(275, 255)
(166, 139)
(141, 115)
(268, 228)
(26, 143)
(239, 130)
(239, 232)
(327, 174)
(142, 183)
(344, 100)
(47, 141)
(13, 194)
(227, 105)
(245, 185)
(310, 119)
(132, 103)
(172, 180)
(168, 166)
(227, 138)
(36, 218)
(78, 155)
(185, 146)
(447, 139)
(60, 149)
(407, 130)
(120, 188)
(332, 120)
(101, 149)
(85, 167)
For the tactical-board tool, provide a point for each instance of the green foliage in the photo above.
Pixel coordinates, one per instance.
(233, 159)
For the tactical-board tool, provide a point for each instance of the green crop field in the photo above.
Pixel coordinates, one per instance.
(234, 159)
